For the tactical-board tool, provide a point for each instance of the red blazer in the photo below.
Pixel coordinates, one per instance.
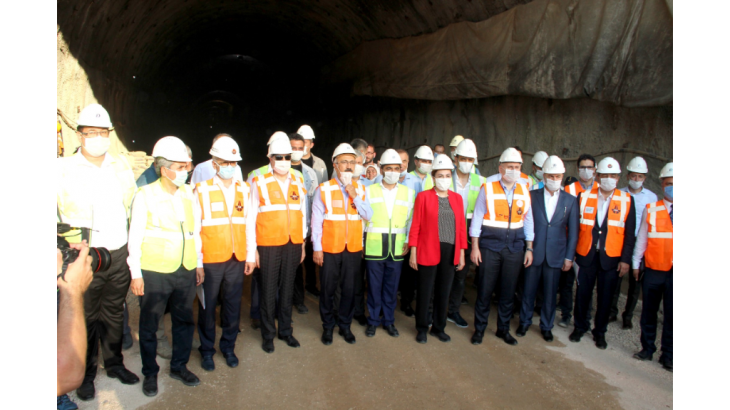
(424, 234)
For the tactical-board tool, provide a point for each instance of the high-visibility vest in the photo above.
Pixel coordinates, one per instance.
(265, 169)
(475, 185)
(618, 211)
(659, 253)
(427, 181)
(341, 220)
(499, 214)
(167, 242)
(576, 188)
(386, 236)
(223, 236)
(526, 179)
(280, 216)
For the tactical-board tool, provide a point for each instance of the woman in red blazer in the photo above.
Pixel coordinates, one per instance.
(437, 239)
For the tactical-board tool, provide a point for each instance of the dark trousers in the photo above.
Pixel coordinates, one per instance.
(657, 285)
(587, 277)
(503, 267)
(631, 297)
(226, 279)
(177, 288)
(338, 268)
(359, 296)
(276, 276)
(307, 268)
(255, 312)
(435, 281)
(408, 282)
(565, 290)
(457, 288)
(535, 275)
(104, 311)
(383, 278)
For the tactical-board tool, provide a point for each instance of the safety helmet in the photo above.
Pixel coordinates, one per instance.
(280, 147)
(343, 148)
(608, 165)
(391, 157)
(278, 135)
(226, 149)
(172, 149)
(424, 152)
(539, 158)
(637, 164)
(306, 132)
(667, 171)
(456, 140)
(510, 155)
(94, 115)
(467, 149)
(553, 165)
(442, 162)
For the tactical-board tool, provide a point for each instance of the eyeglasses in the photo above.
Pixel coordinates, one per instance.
(93, 134)
(226, 164)
(350, 163)
(282, 157)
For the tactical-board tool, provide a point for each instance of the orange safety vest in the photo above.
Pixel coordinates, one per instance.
(342, 224)
(528, 180)
(659, 253)
(223, 236)
(576, 188)
(498, 209)
(280, 217)
(618, 211)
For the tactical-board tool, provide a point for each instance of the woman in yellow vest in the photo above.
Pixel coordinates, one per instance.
(163, 255)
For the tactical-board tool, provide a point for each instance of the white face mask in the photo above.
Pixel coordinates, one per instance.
(425, 168)
(465, 167)
(403, 174)
(296, 156)
(390, 177)
(635, 184)
(180, 177)
(586, 174)
(608, 184)
(306, 149)
(552, 185)
(97, 146)
(345, 178)
(539, 175)
(358, 171)
(442, 184)
(282, 167)
(453, 155)
(511, 175)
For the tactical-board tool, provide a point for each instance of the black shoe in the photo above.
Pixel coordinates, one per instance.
(643, 355)
(456, 319)
(547, 335)
(290, 340)
(127, 341)
(612, 318)
(627, 323)
(522, 330)
(464, 301)
(370, 330)
(361, 320)
(207, 363)
(86, 391)
(600, 341)
(231, 359)
(564, 322)
(421, 337)
(504, 335)
(256, 324)
(476, 338)
(185, 376)
(314, 292)
(392, 331)
(327, 337)
(666, 363)
(576, 335)
(442, 336)
(149, 387)
(124, 375)
(347, 334)
(268, 345)
(301, 309)
(408, 311)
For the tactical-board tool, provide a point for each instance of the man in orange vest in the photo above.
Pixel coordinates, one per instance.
(276, 226)
(605, 246)
(224, 202)
(337, 213)
(655, 243)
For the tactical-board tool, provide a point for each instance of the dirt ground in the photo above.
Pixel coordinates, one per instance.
(384, 372)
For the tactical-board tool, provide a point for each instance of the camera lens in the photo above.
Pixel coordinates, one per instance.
(101, 259)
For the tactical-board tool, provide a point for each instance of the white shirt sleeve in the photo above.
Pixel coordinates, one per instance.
(137, 226)
(642, 241)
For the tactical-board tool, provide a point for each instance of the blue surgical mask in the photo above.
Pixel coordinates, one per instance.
(226, 172)
(180, 177)
(669, 192)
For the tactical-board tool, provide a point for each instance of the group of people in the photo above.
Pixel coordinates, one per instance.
(374, 231)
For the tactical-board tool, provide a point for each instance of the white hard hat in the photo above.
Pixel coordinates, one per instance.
(226, 149)
(172, 149)
(539, 158)
(278, 135)
(553, 165)
(667, 171)
(94, 115)
(391, 157)
(510, 155)
(306, 132)
(424, 152)
(280, 147)
(638, 165)
(343, 148)
(456, 140)
(608, 165)
(466, 148)
(443, 162)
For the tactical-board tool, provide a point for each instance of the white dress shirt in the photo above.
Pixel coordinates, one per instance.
(643, 198)
(642, 240)
(551, 202)
(462, 190)
(601, 211)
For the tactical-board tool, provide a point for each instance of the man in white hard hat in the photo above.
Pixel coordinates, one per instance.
(359, 299)
(522, 179)
(309, 158)
(337, 213)
(467, 184)
(206, 170)
(555, 213)
(605, 245)
(164, 243)
(224, 202)
(655, 245)
(275, 232)
(455, 143)
(94, 193)
(501, 235)
(536, 176)
(642, 196)
(423, 159)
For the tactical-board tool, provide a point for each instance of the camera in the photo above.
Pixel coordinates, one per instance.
(101, 259)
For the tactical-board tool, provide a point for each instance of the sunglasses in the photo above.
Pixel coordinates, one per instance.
(282, 157)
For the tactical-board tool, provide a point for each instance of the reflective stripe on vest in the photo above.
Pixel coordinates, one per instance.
(223, 236)
(525, 180)
(381, 227)
(342, 225)
(576, 188)
(499, 212)
(616, 216)
(167, 242)
(659, 253)
(279, 218)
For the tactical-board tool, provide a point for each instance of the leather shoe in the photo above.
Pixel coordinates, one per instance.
(347, 334)
(207, 363)
(612, 318)
(255, 324)
(627, 323)
(290, 340)
(476, 338)
(456, 319)
(370, 330)
(504, 335)
(600, 341)
(301, 309)
(231, 359)
(124, 375)
(327, 337)
(576, 335)
(268, 345)
(361, 320)
(86, 391)
(149, 387)
(392, 331)
(666, 363)
(185, 376)
(522, 330)
(408, 311)
(564, 322)
(442, 336)
(421, 337)
(547, 335)
(643, 355)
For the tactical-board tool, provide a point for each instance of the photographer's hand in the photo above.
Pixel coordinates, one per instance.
(137, 286)
(78, 273)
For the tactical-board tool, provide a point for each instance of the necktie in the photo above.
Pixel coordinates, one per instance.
(671, 215)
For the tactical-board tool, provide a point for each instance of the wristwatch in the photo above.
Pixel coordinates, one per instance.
(529, 249)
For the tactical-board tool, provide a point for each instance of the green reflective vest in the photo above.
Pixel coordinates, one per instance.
(426, 182)
(386, 236)
(475, 184)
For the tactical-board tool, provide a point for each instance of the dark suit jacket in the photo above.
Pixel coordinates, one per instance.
(607, 262)
(555, 240)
